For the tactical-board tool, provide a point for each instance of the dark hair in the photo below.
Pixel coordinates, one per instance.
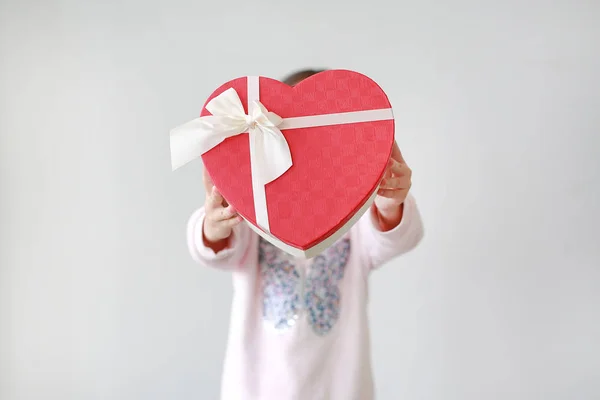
(296, 77)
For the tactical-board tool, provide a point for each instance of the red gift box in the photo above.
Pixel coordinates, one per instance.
(304, 164)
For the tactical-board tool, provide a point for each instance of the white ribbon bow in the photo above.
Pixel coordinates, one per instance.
(272, 152)
(270, 155)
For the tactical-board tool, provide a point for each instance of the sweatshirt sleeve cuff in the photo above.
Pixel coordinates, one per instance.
(408, 215)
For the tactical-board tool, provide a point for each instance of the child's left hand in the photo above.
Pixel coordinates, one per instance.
(393, 190)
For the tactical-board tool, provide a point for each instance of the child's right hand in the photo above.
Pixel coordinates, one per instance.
(220, 218)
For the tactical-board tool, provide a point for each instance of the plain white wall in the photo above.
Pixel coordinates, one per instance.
(498, 107)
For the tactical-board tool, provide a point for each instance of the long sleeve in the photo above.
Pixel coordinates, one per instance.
(380, 247)
(229, 258)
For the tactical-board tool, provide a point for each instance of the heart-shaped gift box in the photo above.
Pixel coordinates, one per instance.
(304, 164)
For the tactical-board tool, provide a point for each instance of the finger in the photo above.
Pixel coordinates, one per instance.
(388, 169)
(214, 199)
(389, 193)
(397, 154)
(206, 178)
(207, 182)
(224, 213)
(231, 222)
(400, 169)
(395, 183)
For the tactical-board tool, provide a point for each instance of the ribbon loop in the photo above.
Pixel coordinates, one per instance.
(228, 119)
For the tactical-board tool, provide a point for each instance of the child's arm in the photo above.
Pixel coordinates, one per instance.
(383, 242)
(215, 236)
(230, 252)
(393, 226)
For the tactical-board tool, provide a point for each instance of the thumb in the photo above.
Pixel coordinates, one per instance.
(397, 154)
(208, 183)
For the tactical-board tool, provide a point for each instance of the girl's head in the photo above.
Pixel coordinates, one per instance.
(296, 77)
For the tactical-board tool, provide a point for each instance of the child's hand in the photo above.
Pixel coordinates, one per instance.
(220, 218)
(393, 190)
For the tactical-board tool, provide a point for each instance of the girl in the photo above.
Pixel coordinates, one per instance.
(299, 328)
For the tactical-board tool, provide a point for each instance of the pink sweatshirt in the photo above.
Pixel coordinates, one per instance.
(299, 328)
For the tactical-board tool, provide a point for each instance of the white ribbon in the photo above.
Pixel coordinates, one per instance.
(270, 155)
(228, 119)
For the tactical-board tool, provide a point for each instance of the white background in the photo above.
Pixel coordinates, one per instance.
(498, 107)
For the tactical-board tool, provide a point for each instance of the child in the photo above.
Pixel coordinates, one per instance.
(299, 328)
